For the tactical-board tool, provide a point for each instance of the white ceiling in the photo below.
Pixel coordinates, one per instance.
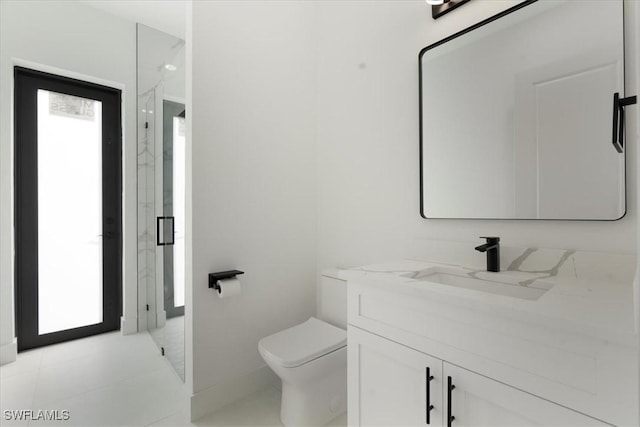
(169, 16)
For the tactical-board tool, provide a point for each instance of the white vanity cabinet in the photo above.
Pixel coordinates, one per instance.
(393, 385)
(389, 384)
(480, 401)
(516, 361)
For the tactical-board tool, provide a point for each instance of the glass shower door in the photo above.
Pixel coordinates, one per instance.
(161, 191)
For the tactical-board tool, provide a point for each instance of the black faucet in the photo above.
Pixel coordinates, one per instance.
(492, 248)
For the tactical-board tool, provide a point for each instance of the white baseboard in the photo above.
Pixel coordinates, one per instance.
(210, 400)
(9, 352)
(128, 326)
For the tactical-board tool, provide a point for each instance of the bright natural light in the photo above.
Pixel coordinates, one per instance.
(69, 212)
(178, 209)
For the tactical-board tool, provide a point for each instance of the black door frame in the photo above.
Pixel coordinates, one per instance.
(26, 84)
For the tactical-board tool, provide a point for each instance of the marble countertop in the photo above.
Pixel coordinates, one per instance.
(583, 292)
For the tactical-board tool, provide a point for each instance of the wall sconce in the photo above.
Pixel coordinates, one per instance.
(440, 7)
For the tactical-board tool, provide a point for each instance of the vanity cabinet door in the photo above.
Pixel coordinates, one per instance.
(389, 383)
(480, 401)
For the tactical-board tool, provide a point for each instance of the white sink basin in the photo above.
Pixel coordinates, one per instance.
(493, 283)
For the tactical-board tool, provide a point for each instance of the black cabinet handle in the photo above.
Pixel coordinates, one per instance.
(429, 406)
(450, 388)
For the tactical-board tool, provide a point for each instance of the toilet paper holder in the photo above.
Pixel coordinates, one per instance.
(214, 277)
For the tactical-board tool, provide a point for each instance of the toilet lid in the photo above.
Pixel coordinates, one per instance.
(302, 343)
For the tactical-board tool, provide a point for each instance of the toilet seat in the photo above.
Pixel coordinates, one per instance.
(302, 343)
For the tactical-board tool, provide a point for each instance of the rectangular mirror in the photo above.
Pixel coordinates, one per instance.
(516, 115)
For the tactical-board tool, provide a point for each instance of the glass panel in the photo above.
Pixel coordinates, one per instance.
(146, 198)
(160, 77)
(178, 210)
(69, 212)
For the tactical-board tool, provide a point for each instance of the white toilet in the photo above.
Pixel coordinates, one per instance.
(311, 360)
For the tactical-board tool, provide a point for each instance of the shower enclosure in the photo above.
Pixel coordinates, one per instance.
(161, 191)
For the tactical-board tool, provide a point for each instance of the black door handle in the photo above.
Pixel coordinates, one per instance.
(167, 238)
(450, 388)
(618, 119)
(429, 406)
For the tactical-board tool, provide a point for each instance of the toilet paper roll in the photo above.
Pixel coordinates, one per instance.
(228, 288)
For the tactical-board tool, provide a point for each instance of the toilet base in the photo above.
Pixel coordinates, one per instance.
(314, 404)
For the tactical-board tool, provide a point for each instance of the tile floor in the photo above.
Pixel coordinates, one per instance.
(171, 337)
(115, 380)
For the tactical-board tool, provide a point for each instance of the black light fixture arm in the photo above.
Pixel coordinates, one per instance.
(447, 6)
(618, 119)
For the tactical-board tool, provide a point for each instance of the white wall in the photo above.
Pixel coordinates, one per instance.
(368, 142)
(80, 42)
(253, 184)
(265, 85)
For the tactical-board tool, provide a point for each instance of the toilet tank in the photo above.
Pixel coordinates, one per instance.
(332, 299)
